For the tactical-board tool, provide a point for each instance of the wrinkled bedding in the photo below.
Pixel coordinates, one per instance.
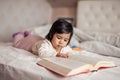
(100, 43)
(18, 64)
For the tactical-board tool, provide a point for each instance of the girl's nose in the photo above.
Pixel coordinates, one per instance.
(61, 41)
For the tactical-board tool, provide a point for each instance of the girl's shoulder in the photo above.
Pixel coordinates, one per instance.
(45, 42)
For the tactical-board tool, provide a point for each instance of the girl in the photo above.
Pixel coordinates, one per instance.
(56, 41)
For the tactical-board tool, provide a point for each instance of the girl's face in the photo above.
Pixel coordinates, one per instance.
(60, 40)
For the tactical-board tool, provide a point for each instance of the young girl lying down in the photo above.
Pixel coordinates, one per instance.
(55, 43)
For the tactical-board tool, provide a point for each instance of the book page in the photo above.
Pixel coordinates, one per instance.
(68, 63)
(86, 56)
(85, 59)
(96, 62)
(104, 64)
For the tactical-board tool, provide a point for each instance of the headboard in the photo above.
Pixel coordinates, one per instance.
(99, 15)
(17, 15)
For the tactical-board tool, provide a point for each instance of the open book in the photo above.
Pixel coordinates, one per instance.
(68, 67)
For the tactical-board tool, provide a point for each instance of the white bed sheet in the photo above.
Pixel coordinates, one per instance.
(17, 64)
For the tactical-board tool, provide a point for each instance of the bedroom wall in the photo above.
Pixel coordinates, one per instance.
(63, 9)
(18, 15)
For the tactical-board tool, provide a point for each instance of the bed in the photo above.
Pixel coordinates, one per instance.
(98, 35)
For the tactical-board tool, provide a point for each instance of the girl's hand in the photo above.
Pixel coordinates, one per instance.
(62, 55)
(58, 49)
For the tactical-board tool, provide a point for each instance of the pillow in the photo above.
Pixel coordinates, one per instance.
(41, 30)
(101, 48)
(82, 36)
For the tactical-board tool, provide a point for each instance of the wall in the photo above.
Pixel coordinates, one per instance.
(63, 8)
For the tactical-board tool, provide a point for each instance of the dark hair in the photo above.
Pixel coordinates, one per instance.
(60, 26)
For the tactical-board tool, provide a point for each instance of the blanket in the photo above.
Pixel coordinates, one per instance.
(100, 43)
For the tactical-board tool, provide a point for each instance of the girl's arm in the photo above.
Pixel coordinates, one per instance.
(61, 54)
(46, 50)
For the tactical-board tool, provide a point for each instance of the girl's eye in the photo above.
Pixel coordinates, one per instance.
(65, 40)
(59, 37)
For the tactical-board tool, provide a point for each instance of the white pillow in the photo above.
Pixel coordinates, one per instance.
(82, 36)
(41, 30)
